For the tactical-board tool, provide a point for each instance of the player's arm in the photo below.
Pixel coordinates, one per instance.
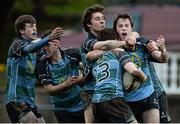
(131, 67)
(112, 44)
(56, 33)
(109, 45)
(131, 38)
(93, 55)
(46, 79)
(158, 49)
(137, 74)
(63, 86)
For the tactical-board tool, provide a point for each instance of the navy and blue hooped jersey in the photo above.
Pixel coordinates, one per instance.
(140, 57)
(107, 72)
(70, 99)
(20, 74)
(21, 63)
(87, 46)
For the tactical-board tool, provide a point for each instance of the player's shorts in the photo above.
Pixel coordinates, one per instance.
(17, 112)
(70, 117)
(113, 111)
(163, 104)
(138, 107)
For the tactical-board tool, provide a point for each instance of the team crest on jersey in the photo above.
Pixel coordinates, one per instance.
(100, 59)
(61, 79)
(30, 67)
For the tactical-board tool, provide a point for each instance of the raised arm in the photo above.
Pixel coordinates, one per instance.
(56, 33)
(158, 49)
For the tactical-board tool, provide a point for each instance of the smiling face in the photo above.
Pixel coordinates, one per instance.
(97, 22)
(29, 31)
(123, 28)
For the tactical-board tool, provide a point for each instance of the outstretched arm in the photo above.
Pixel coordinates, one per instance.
(108, 45)
(56, 33)
(93, 55)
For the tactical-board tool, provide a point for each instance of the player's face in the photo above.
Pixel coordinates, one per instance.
(97, 22)
(123, 28)
(30, 31)
(51, 49)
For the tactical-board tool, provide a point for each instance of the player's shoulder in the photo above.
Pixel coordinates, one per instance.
(71, 50)
(18, 42)
(72, 54)
(89, 37)
(142, 40)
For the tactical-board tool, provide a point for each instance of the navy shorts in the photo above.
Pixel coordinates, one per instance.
(70, 117)
(113, 111)
(138, 107)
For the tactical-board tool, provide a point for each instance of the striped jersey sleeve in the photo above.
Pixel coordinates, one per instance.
(42, 71)
(123, 57)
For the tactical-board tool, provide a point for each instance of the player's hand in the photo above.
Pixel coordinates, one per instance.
(56, 33)
(131, 41)
(139, 76)
(152, 46)
(80, 79)
(71, 81)
(160, 42)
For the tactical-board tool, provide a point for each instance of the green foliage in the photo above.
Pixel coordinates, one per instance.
(71, 7)
(25, 6)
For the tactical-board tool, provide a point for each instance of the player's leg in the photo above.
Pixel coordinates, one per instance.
(88, 112)
(21, 112)
(29, 118)
(151, 116)
(151, 109)
(38, 115)
(163, 104)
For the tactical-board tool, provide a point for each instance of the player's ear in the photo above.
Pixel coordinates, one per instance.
(21, 31)
(89, 25)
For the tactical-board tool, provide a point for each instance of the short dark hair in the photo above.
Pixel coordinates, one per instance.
(47, 33)
(123, 16)
(20, 22)
(107, 34)
(86, 19)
